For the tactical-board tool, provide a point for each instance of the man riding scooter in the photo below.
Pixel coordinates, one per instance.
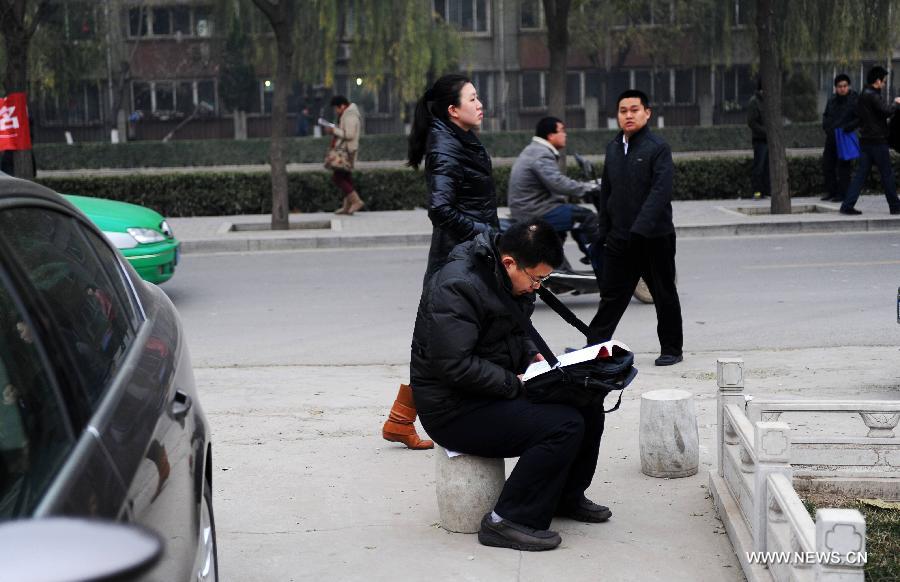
(539, 189)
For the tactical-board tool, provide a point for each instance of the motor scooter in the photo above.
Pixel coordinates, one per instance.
(579, 282)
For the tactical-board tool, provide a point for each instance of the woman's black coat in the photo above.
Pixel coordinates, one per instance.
(462, 201)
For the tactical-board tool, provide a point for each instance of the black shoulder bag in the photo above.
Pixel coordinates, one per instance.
(582, 384)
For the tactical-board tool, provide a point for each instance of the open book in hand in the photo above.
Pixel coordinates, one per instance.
(603, 350)
(325, 123)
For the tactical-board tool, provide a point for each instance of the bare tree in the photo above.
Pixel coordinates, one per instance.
(19, 20)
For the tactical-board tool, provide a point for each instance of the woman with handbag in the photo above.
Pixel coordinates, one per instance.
(341, 156)
(461, 198)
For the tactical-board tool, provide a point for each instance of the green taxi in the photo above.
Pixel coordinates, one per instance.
(142, 235)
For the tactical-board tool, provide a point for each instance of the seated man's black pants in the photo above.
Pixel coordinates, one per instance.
(624, 263)
(557, 446)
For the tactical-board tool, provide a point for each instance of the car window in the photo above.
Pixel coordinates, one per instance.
(116, 276)
(34, 429)
(68, 277)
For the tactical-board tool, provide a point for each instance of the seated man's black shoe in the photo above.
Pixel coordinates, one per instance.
(585, 510)
(668, 359)
(506, 534)
(850, 211)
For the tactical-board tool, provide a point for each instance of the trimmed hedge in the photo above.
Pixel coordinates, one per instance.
(156, 154)
(212, 194)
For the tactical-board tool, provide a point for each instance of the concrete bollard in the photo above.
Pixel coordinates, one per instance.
(669, 438)
(467, 487)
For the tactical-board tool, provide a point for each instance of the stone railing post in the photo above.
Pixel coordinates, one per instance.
(730, 378)
(841, 541)
(772, 444)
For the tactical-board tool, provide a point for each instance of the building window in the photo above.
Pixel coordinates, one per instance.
(370, 99)
(484, 85)
(168, 21)
(532, 90)
(80, 105)
(531, 16)
(741, 13)
(165, 99)
(684, 86)
(575, 89)
(653, 13)
(465, 15)
(662, 87)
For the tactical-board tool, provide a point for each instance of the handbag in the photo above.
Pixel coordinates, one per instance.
(338, 158)
(580, 384)
(847, 144)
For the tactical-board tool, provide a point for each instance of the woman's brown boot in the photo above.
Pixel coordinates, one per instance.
(345, 207)
(355, 204)
(399, 427)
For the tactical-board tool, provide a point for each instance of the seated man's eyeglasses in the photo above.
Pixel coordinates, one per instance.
(535, 280)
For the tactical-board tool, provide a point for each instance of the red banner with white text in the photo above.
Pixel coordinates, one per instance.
(14, 134)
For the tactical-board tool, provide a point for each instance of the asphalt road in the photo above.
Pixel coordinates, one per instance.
(336, 307)
(298, 355)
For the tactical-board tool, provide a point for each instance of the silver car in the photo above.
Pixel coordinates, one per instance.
(99, 414)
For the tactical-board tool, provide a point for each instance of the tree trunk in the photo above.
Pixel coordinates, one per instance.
(281, 16)
(16, 80)
(770, 69)
(277, 157)
(556, 15)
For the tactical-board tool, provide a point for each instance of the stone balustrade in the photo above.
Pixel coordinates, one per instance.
(773, 535)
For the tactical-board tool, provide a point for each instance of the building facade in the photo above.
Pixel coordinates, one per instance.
(164, 58)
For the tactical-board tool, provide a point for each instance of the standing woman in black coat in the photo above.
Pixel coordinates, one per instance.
(461, 198)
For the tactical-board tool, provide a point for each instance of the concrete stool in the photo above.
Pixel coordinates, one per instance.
(668, 434)
(467, 488)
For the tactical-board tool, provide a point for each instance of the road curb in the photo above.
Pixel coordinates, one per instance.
(339, 241)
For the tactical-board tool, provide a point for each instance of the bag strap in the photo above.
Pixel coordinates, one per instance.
(528, 327)
(559, 307)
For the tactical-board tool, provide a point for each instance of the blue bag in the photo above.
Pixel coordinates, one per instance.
(847, 144)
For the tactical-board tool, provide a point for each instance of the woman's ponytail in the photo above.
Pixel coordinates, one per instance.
(433, 103)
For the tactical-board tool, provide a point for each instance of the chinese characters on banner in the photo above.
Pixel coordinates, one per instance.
(14, 134)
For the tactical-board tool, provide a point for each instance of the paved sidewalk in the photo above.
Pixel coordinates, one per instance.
(695, 218)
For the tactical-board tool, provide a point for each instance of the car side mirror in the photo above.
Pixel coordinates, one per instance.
(67, 549)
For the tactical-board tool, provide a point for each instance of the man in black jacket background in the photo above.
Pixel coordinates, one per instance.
(635, 206)
(756, 121)
(840, 113)
(468, 357)
(873, 115)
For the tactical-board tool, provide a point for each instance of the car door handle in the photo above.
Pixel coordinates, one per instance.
(181, 404)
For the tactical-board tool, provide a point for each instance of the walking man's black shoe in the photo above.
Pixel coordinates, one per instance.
(850, 212)
(668, 359)
(506, 534)
(895, 210)
(585, 510)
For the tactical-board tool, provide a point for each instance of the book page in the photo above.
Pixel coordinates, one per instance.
(576, 357)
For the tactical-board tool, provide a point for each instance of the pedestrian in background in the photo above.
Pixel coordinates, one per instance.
(346, 136)
(635, 205)
(840, 114)
(461, 198)
(757, 122)
(303, 122)
(539, 189)
(873, 115)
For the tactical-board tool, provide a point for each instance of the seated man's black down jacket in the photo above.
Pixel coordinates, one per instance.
(467, 349)
(462, 201)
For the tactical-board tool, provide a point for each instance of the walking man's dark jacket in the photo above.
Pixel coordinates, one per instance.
(636, 191)
(467, 349)
(756, 118)
(873, 115)
(462, 201)
(840, 112)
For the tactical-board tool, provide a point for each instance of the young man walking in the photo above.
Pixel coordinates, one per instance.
(635, 207)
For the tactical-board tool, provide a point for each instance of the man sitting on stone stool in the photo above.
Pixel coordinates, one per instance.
(468, 356)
